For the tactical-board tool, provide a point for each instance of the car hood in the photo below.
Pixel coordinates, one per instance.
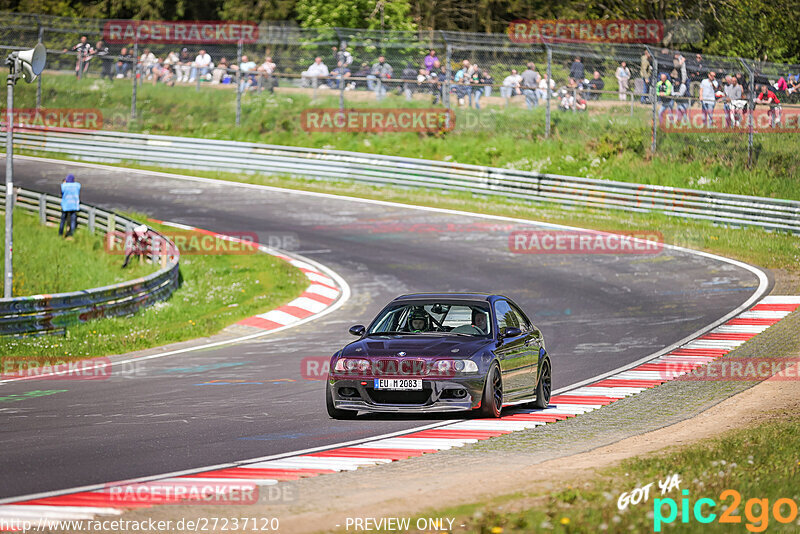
(415, 346)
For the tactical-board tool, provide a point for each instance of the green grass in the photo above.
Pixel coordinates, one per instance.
(607, 143)
(217, 291)
(758, 462)
(45, 262)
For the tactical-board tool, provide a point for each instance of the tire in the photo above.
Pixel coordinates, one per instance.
(544, 387)
(333, 411)
(492, 399)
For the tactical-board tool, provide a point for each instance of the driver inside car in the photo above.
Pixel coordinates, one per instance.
(418, 321)
(479, 320)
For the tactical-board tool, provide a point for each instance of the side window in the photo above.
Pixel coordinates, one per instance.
(505, 316)
(524, 324)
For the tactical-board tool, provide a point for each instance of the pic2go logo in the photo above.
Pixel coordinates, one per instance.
(756, 511)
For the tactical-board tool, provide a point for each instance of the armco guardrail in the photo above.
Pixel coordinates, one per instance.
(54, 313)
(232, 156)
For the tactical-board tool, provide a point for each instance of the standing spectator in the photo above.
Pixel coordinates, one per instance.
(664, 95)
(511, 85)
(623, 75)
(436, 75)
(83, 50)
(106, 61)
(220, 71)
(124, 61)
(487, 81)
(147, 61)
(408, 75)
(70, 205)
(708, 98)
(530, 84)
(382, 72)
(645, 72)
(681, 95)
(315, 71)
(733, 93)
(430, 59)
(201, 66)
(576, 71)
(697, 73)
(268, 68)
(679, 64)
(596, 84)
(476, 90)
(743, 83)
(184, 65)
(462, 80)
(342, 55)
(768, 97)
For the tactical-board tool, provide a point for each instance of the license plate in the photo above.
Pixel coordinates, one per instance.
(398, 383)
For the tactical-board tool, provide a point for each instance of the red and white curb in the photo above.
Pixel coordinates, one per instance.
(105, 500)
(318, 297)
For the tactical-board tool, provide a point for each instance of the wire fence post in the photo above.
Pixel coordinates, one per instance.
(653, 92)
(547, 88)
(39, 78)
(448, 71)
(751, 97)
(239, 84)
(135, 76)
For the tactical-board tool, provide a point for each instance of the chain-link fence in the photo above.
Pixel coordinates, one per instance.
(489, 83)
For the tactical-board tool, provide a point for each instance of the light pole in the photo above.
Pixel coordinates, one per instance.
(27, 64)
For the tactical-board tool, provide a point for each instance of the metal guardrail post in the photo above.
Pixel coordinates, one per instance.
(43, 208)
(91, 215)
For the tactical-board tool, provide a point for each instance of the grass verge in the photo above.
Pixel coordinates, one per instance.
(609, 142)
(45, 262)
(217, 290)
(758, 462)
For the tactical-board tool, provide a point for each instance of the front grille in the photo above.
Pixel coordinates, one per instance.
(399, 397)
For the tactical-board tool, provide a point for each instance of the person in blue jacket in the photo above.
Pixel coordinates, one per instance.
(70, 204)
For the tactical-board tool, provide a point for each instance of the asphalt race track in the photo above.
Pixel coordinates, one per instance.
(597, 312)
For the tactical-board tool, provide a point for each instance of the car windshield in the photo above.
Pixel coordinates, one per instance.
(439, 318)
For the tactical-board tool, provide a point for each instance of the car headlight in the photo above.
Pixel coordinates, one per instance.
(352, 365)
(451, 367)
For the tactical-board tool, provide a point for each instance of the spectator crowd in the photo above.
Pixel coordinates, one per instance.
(675, 81)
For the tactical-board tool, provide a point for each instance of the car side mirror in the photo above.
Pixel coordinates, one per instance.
(357, 330)
(511, 331)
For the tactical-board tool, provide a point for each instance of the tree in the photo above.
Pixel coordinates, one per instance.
(370, 14)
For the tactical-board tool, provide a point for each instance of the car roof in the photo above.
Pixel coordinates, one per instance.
(482, 297)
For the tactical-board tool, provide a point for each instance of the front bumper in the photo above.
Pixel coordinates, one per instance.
(437, 395)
